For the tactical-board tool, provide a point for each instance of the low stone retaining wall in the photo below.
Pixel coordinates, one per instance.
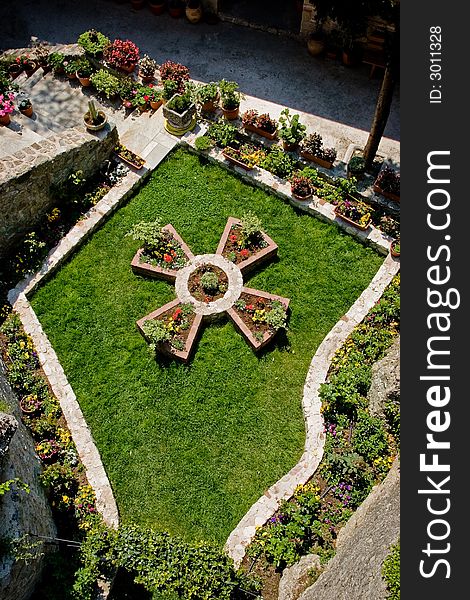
(27, 178)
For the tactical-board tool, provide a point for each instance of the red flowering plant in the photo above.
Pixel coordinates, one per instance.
(141, 96)
(264, 121)
(6, 103)
(172, 71)
(160, 248)
(23, 60)
(244, 239)
(121, 54)
(301, 185)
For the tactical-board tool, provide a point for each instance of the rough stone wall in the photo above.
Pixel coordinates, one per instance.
(21, 513)
(385, 385)
(355, 572)
(27, 176)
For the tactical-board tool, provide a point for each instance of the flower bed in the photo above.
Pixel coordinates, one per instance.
(259, 316)
(163, 253)
(171, 329)
(245, 244)
(359, 449)
(208, 283)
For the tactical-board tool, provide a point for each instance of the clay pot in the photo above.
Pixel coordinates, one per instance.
(289, 147)
(27, 112)
(85, 81)
(194, 15)
(157, 8)
(5, 120)
(315, 47)
(231, 114)
(137, 4)
(90, 125)
(29, 68)
(14, 70)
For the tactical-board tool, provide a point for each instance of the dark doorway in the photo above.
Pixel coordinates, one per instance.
(284, 15)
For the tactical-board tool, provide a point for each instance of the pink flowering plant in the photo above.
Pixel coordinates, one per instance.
(172, 71)
(121, 53)
(6, 104)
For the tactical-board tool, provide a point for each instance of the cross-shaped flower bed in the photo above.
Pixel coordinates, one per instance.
(207, 286)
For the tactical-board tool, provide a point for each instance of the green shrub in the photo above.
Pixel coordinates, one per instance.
(210, 281)
(149, 234)
(223, 133)
(93, 42)
(203, 142)
(55, 60)
(105, 83)
(357, 165)
(369, 437)
(391, 572)
(156, 333)
(279, 163)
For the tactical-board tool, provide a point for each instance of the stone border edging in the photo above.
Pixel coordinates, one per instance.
(268, 504)
(18, 297)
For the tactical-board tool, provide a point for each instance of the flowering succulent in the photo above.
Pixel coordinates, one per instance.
(147, 66)
(121, 53)
(172, 71)
(301, 185)
(388, 180)
(6, 103)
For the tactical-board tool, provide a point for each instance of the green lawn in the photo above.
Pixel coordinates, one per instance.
(190, 448)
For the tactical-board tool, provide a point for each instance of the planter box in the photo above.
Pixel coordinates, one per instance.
(244, 329)
(176, 120)
(265, 254)
(388, 195)
(261, 132)
(235, 161)
(166, 348)
(351, 222)
(143, 268)
(319, 161)
(129, 162)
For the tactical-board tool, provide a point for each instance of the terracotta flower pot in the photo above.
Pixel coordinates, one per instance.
(27, 112)
(175, 11)
(127, 68)
(14, 70)
(137, 4)
(315, 47)
(156, 105)
(157, 8)
(299, 197)
(5, 120)
(29, 68)
(289, 147)
(89, 125)
(194, 15)
(84, 81)
(231, 114)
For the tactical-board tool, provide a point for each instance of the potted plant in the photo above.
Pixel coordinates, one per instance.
(176, 8)
(262, 125)
(6, 107)
(170, 88)
(105, 83)
(56, 61)
(193, 11)
(47, 450)
(350, 50)
(122, 54)
(29, 65)
(207, 96)
(291, 130)
(157, 6)
(42, 52)
(147, 68)
(155, 98)
(173, 71)
(223, 133)
(301, 186)
(141, 97)
(230, 99)
(137, 4)
(356, 167)
(388, 183)
(247, 156)
(354, 212)
(94, 119)
(84, 71)
(70, 68)
(131, 158)
(15, 68)
(395, 248)
(93, 42)
(312, 149)
(30, 404)
(25, 107)
(180, 111)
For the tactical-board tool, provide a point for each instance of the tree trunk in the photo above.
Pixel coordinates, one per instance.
(382, 111)
(384, 102)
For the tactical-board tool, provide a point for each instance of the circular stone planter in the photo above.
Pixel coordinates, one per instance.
(210, 309)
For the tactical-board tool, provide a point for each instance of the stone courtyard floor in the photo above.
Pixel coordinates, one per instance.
(273, 69)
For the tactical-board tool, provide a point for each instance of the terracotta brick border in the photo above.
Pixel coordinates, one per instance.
(183, 355)
(253, 261)
(143, 268)
(244, 330)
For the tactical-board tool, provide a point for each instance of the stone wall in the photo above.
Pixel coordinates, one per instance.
(26, 177)
(20, 512)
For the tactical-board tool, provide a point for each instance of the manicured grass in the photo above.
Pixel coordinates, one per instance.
(190, 448)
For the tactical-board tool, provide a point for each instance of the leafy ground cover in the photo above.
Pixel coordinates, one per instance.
(189, 448)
